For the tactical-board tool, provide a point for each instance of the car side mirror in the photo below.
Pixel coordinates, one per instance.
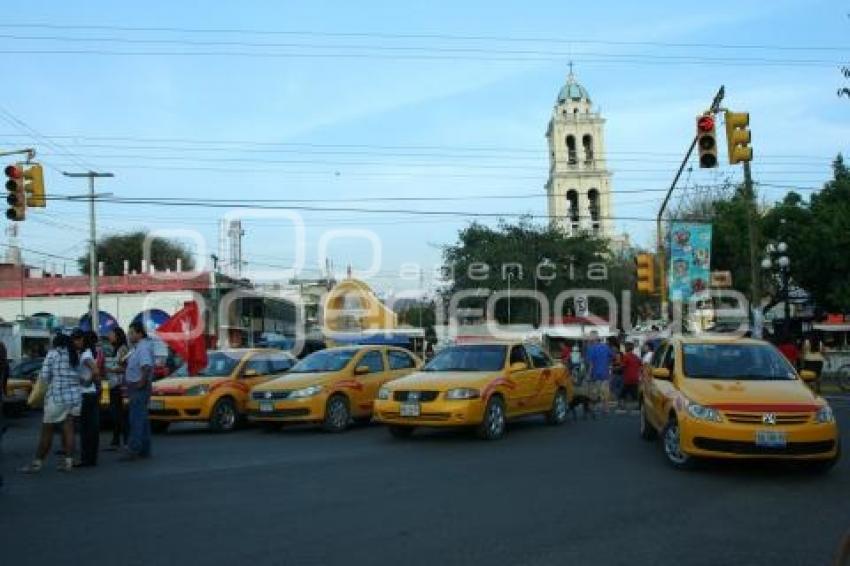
(361, 370)
(518, 366)
(250, 372)
(661, 373)
(808, 375)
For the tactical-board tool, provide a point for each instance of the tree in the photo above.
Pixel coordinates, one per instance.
(112, 250)
(528, 256)
(818, 239)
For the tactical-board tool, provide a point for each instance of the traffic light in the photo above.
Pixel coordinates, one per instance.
(16, 195)
(34, 185)
(706, 141)
(645, 273)
(738, 137)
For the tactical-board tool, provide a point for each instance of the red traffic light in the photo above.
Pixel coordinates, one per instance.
(13, 172)
(705, 123)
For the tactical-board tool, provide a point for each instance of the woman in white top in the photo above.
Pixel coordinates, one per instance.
(90, 408)
(115, 366)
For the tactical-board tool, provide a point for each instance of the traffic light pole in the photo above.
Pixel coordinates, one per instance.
(661, 255)
(94, 312)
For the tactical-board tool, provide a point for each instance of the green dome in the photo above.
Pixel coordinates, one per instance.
(573, 91)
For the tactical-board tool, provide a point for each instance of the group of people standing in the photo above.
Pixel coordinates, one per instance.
(612, 372)
(74, 372)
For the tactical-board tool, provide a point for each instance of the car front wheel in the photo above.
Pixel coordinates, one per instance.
(557, 415)
(673, 446)
(224, 416)
(337, 414)
(494, 423)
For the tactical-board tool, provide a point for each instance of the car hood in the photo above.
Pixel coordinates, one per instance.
(442, 380)
(790, 395)
(299, 380)
(178, 384)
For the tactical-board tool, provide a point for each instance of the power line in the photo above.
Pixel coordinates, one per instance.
(427, 36)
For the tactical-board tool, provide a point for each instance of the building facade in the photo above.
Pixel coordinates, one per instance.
(579, 185)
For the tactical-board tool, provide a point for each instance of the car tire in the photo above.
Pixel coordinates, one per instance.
(557, 414)
(494, 423)
(672, 445)
(159, 427)
(224, 417)
(647, 431)
(400, 431)
(337, 414)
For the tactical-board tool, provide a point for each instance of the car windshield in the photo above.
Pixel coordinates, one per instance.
(219, 364)
(326, 360)
(754, 362)
(469, 358)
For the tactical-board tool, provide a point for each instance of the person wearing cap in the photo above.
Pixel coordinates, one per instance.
(61, 372)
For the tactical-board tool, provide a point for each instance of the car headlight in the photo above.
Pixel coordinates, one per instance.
(306, 392)
(463, 393)
(703, 413)
(384, 393)
(825, 415)
(197, 390)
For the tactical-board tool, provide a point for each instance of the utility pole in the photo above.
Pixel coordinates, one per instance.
(755, 288)
(661, 255)
(91, 176)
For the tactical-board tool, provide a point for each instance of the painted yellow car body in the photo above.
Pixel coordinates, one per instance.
(524, 385)
(220, 397)
(313, 396)
(733, 415)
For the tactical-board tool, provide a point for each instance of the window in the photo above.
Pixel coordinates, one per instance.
(373, 360)
(539, 358)
(572, 157)
(468, 358)
(259, 364)
(400, 360)
(281, 364)
(572, 205)
(518, 355)
(593, 204)
(587, 143)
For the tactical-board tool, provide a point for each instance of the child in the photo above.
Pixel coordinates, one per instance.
(631, 364)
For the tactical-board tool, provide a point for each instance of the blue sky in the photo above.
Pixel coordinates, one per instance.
(325, 101)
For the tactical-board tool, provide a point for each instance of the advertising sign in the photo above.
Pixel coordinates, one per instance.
(690, 259)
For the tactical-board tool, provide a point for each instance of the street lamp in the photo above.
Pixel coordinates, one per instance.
(783, 265)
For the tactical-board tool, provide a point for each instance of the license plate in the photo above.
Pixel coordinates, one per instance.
(409, 410)
(770, 439)
(266, 407)
(156, 404)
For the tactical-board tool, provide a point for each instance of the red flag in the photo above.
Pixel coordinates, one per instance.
(183, 334)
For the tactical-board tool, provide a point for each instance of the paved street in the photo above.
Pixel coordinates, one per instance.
(587, 493)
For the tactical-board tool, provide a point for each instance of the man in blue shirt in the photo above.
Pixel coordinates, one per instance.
(599, 358)
(138, 377)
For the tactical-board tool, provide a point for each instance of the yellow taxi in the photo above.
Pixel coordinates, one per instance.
(218, 393)
(733, 398)
(19, 385)
(331, 387)
(477, 385)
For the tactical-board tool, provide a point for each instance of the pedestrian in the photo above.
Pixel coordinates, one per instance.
(138, 377)
(648, 352)
(115, 367)
(789, 349)
(631, 375)
(90, 377)
(812, 357)
(599, 358)
(60, 371)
